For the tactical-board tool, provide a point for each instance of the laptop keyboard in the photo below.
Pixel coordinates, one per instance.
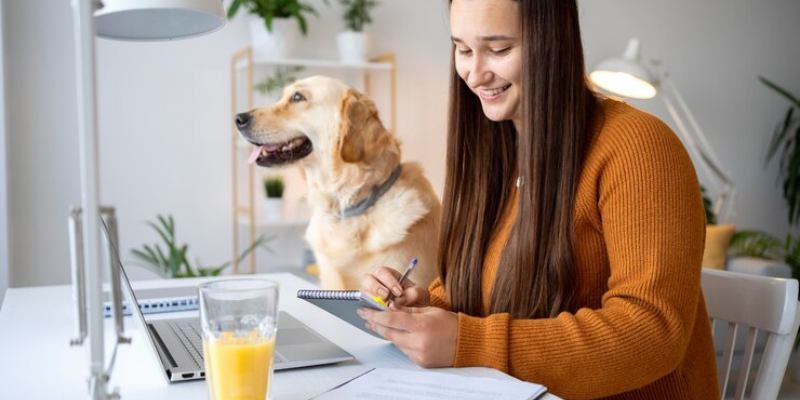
(189, 334)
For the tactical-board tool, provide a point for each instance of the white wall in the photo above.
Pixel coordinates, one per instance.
(4, 258)
(715, 51)
(165, 123)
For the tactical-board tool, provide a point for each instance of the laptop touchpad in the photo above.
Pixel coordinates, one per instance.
(294, 336)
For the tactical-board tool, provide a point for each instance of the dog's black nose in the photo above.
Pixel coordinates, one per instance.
(243, 120)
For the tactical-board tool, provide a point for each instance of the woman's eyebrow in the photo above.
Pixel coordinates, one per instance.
(492, 38)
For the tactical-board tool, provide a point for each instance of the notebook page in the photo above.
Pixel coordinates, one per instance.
(397, 384)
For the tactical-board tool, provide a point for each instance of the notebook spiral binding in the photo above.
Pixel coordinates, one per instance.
(329, 294)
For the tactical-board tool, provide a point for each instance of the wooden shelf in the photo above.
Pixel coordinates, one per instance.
(319, 63)
(280, 224)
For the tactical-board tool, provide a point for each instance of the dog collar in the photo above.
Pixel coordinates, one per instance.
(374, 195)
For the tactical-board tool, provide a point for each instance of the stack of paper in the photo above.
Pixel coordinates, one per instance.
(398, 384)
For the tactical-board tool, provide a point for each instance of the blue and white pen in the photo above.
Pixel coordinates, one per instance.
(403, 277)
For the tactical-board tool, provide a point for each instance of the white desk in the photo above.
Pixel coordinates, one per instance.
(36, 361)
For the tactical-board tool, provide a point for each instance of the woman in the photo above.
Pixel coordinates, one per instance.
(572, 230)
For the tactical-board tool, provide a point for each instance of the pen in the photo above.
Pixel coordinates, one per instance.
(403, 277)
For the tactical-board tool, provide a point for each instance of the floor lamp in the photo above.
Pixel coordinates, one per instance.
(628, 77)
(133, 20)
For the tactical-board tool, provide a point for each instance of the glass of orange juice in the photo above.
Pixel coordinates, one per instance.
(239, 318)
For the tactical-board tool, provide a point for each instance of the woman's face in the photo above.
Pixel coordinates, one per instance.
(488, 53)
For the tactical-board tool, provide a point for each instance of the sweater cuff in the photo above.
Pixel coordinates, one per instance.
(482, 342)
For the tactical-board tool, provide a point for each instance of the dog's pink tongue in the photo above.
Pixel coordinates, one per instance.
(254, 155)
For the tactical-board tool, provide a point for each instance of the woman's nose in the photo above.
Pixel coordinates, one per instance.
(478, 74)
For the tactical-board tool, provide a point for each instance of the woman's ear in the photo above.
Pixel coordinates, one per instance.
(356, 134)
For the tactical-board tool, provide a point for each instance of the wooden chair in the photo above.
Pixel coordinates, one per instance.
(762, 305)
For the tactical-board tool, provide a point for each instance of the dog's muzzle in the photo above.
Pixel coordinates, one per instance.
(244, 121)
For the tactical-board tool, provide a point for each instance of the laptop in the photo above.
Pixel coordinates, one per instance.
(179, 343)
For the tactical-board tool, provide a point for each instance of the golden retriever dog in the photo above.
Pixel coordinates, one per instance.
(368, 208)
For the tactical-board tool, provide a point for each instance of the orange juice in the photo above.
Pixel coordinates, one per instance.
(238, 368)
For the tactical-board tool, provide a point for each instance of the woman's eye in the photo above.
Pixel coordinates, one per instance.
(501, 51)
(297, 97)
(464, 52)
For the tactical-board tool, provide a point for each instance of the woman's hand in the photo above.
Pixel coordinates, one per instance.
(426, 335)
(386, 280)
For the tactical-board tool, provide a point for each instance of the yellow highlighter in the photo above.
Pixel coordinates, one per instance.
(380, 301)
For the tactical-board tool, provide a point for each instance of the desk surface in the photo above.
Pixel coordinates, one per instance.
(36, 361)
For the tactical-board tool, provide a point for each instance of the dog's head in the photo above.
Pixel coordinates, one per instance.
(317, 120)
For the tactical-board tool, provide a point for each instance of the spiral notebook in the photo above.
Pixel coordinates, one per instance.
(343, 304)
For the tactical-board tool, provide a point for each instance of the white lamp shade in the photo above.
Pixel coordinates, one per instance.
(625, 76)
(154, 20)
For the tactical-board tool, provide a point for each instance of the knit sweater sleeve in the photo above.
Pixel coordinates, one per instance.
(438, 295)
(653, 225)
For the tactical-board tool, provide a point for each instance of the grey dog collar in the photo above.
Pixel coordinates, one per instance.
(374, 195)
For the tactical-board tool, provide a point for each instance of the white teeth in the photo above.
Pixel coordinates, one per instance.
(494, 92)
(288, 146)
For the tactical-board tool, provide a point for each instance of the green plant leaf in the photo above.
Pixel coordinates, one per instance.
(785, 93)
(234, 7)
(780, 134)
(752, 243)
(168, 239)
(792, 187)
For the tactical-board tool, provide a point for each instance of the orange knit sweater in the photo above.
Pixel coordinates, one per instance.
(641, 329)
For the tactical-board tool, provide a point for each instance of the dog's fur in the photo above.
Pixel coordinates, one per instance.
(348, 151)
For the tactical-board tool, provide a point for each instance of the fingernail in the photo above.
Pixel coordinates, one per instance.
(368, 325)
(360, 313)
(383, 293)
(397, 290)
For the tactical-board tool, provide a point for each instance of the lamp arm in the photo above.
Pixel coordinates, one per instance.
(706, 151)
(83, 18)
(723, 204)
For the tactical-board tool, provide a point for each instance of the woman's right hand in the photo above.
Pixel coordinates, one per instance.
(386, 280)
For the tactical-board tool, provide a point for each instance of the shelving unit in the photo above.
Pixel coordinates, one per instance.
(244, 207)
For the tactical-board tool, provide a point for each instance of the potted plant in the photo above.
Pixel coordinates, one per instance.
(277, 25)
(761, 244)
(277, 81)
(273, 202)
(753, 243)
(353, 43)
(173, 261)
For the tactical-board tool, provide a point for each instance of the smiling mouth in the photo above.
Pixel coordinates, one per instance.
(492, 94)
(276, 154)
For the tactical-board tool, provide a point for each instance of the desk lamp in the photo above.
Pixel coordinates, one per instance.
(628, 77)
(134, 20)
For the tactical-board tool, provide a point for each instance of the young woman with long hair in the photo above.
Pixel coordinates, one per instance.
(573, 227)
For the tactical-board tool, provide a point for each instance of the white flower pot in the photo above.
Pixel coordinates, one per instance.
(352, 46)
(273, 208)
(275, 45)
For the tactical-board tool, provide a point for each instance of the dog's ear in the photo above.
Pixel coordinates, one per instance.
(359, 126)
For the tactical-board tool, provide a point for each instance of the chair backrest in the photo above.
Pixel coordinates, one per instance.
(763, 305)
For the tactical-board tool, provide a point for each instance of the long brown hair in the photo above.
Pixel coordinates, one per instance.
(536, 277)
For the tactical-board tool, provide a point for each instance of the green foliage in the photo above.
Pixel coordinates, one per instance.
(357, 13)
(711, 218)
(282, 77)
(763, 245)
(786, 138)
(271, 9)
(273, 186)
(751, 243)
(173, 261)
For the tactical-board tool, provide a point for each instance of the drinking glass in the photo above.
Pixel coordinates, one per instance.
(240, 321)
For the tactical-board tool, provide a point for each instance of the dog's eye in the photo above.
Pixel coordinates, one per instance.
(297, 97)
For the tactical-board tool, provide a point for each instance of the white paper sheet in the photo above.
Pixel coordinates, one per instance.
(398, 384)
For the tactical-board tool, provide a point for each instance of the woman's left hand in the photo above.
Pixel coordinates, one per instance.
(427, 335)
